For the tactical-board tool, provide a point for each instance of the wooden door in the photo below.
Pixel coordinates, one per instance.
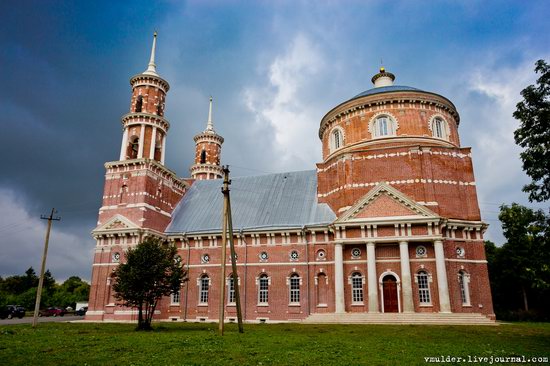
(389, 285)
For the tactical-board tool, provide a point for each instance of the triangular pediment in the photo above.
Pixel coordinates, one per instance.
(384, 201)
(117, 223)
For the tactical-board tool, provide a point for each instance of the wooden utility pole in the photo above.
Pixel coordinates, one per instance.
(43, 268)
(223, 256)
(233, 259)
(227, 225)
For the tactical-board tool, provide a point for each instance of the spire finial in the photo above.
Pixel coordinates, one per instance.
(152, 68)
(209, 124)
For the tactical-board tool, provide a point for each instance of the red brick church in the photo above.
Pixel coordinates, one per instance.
(386, 227)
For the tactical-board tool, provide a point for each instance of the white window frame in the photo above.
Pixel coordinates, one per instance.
(263, 289)
(439, 127)
(175, 298)
(391, 125)
(336, 142)
(231, 291)
(424, 294)
(357, 293)
(294, 283)
(204, 289)
(464, 284)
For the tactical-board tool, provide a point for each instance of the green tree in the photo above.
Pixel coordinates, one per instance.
(524, 258)
(533, 135)
(152, 270)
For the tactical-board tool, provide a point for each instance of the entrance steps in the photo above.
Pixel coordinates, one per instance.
(401, 318)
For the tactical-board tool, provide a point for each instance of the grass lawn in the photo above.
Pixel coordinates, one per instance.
(263, 344)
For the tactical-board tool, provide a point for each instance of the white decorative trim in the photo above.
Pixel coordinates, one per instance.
(398, 154)
(399, 197)
(372, 128)
(445, 125)
(331, 146)
(408, 181)
(381, 289)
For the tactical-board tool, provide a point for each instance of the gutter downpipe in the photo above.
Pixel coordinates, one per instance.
(245, 270)
(308, 274)
(188, 275)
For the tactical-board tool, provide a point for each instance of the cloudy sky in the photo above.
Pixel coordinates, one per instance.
(274, 69)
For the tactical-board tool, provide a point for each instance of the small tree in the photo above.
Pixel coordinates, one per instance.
(152, 270)
(534, 133)
(525, 256)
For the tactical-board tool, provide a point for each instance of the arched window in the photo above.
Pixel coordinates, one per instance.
(139, 103)
(204, 285)
(464, 282)
(384, 126)
(356, 288)
(439, 128)
(263, 289)
(159, 109)
(133, 148)
(158, 148)
(175, 298)
(336, 139)
(423, 287)
(294, 288)
(203, 157)
(231, 290)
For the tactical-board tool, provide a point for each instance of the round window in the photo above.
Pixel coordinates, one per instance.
(294, 255)
(356, 252)
(420, 251)
(205, 258)
(116, 257)
(321, 254)
(263, 256)
(460, 251)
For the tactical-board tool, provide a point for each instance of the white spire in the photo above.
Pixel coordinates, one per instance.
(152, 68)
(209, 124)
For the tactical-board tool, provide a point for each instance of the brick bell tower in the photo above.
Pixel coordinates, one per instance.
(140, 193)
(208, 149)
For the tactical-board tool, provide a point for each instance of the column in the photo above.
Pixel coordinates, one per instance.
(408, 306)
(339, 278)
(124, 144)
(141, 142)
(372, 281)
(442, 283)
(163, 149)
(153, 140)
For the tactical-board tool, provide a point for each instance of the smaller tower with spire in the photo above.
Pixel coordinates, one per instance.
(208, 149)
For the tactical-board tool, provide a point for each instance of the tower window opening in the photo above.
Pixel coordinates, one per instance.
(133, 148)
(158, 150)
(439, 129)
(337, 139)
(203, 157)
(384, 126)
(139, 103)
(159, 110)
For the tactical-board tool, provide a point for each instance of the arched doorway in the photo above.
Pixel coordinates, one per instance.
(390, 295)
